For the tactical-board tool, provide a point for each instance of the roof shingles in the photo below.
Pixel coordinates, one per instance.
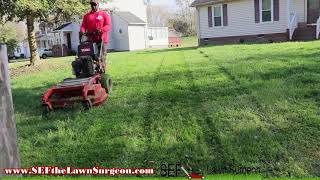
(203, 2)
(130, 18)
(62, 27)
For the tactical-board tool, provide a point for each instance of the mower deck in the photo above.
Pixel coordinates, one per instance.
(85, 90)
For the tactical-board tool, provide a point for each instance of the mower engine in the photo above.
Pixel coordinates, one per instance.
(91, 85)
(88, 59)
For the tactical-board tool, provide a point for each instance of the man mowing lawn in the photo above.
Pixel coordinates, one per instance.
(96, 21)
(91, 85)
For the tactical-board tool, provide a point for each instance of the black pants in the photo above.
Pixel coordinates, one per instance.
(104, 50)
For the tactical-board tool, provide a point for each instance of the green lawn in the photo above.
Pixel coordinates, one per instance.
(16, 64)
(239, 105)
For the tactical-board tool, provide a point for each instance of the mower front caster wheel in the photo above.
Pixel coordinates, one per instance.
(106, 82)
(87, 105)
(46, 110)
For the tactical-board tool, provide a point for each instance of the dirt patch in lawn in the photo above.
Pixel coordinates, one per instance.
(27, 70)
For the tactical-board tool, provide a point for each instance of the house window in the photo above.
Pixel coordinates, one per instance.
(217, 16)
(266, 10)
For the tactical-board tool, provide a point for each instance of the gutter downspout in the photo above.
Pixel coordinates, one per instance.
(198, 26)
(289, 12)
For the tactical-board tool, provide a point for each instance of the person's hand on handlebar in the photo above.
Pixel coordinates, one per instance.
(98, 32)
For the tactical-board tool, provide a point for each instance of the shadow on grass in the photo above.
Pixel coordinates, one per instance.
(28, 101)
(168, 50)
(251, 43)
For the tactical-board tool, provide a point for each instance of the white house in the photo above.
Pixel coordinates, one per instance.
(237, 21)
(129, 31)
(67, 34)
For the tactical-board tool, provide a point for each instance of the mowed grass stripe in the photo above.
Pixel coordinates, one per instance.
(130, 98)
(172, 137)
(232, 89)
(147, 115)
(209, 80)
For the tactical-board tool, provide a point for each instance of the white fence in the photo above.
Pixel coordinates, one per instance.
(158, 37)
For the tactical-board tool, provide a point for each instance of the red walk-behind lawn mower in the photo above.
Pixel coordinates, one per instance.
(91, 85)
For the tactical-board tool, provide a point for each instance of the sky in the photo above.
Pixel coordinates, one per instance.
(170, 3)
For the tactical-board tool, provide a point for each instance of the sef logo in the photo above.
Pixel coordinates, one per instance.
(172, 170)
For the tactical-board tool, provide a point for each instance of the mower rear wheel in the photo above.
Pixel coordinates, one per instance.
(106, 82)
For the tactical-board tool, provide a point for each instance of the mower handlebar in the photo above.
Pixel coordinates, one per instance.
(95, 33)
(98, 33)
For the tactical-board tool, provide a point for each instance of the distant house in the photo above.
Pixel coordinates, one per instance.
(68, 35)
(236, 21)
(130, 30)
(18, 52)
(65, 35)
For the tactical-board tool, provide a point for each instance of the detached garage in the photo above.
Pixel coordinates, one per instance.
(129, 32)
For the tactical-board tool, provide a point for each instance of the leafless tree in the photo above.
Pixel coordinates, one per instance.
(186, 14)
(158, 15)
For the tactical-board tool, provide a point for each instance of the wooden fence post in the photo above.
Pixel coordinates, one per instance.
(9, 155)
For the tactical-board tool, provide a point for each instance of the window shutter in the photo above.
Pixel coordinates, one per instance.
(257, 11)
(225, 15)
(210, 16)
(276, 10)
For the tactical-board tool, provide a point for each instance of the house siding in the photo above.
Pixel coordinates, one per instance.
(298, 7)
(241, 21)
(73, 29)
(120, 40)
(110, 45)
(75, 37)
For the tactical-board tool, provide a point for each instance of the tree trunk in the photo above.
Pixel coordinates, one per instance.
(32, 41)
(9, 156)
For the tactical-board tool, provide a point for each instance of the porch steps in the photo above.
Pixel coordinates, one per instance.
(305, 32)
